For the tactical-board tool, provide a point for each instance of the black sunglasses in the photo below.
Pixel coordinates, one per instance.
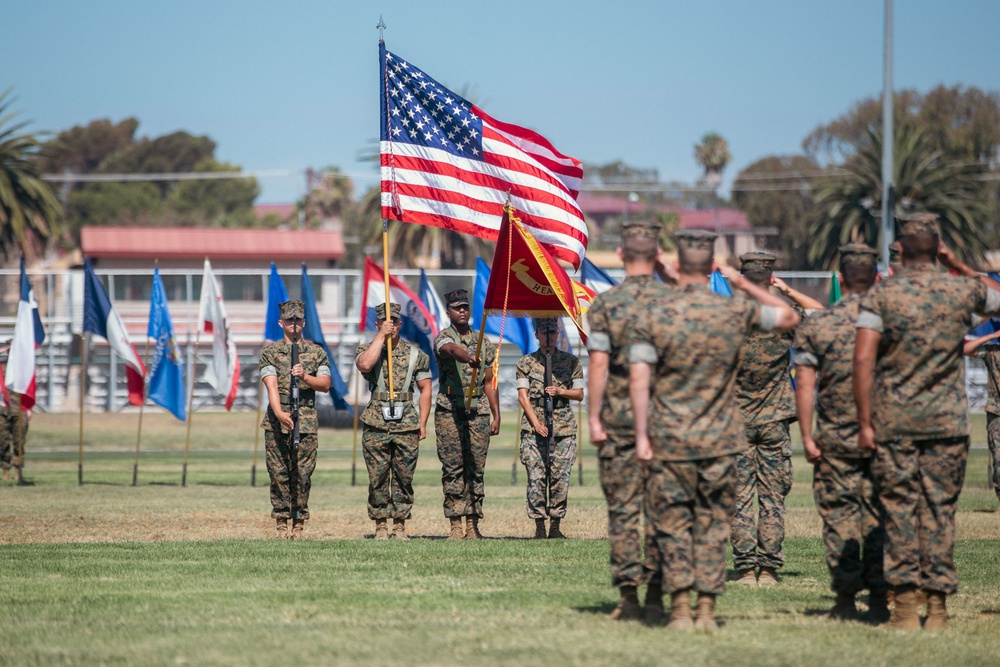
(461, 306)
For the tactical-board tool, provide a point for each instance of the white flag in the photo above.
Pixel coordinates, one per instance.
(223, 371)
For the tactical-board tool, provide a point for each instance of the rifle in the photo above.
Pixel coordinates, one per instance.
(549, 410)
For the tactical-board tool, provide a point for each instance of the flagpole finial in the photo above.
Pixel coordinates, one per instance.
(381, 27)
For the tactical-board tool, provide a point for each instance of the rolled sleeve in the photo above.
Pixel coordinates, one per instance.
(869, 320)
(523, 383)
(578, 384)
(599, 341)
(992, 302)
(805, 358)
(769, 317)
(271, 371)
(322, 370)
(441, 343)
(423, 375)
(642, 353)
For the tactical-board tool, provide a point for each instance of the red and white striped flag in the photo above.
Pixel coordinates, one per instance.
(223, 371)
(446, 163)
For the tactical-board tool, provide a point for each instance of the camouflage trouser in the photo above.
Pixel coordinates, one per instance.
(765, 468)
(10, 443)
(277, 448)
(622, 480)
(462, 446)
(534, 456)
(918, 482)
(690, 506)
(993, 436)
(852, 523)
(386, 452)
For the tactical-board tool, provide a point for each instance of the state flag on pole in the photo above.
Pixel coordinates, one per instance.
(276, 295)
(28, 336)
(166, 374)
(417, 325)
(432, 299)
(223, 370)
(595, 277)
(100, 318)
(526, 279)
(446, 163)
(313, 330)
(4, 396)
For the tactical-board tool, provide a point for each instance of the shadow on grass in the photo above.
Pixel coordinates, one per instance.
(602, 609)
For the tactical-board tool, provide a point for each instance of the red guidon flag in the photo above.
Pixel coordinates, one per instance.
(526, 280)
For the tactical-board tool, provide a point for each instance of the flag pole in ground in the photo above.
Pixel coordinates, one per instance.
(20, 447)
(190, 409)
(517, 446)
(579, 427)
(256, 433)
(142, 408)
(354, 447)
(83, 390)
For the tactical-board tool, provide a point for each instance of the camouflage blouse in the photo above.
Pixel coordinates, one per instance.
(372, 414)
(276, 360)
(763, 383)
(454, 376)
(612, 319)
(826, 342)
(567, 373)
(922, 314)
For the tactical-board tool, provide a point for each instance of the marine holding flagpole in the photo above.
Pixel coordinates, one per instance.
(291, 469)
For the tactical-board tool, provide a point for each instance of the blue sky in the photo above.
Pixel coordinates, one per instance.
(293, 84)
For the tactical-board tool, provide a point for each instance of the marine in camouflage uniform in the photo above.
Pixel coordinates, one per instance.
(390, 447)
(683, 365)
(843, 488)
(313, 371)
(991, 359)
(909, 384)
(548, 471)
(612, 429)
(463, 436)
(11, 443)
(764, 392)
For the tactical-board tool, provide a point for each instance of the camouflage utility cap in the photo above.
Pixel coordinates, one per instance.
(457, 297)
(546, 325)
(641, 228)
(292, 309)
(694, 239)
(380, 311)
(857, 254)
(757, 261)
(917, 223)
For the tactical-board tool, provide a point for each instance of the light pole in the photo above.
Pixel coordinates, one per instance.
(888, 139)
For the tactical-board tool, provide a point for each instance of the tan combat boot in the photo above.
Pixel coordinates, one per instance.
(539, 529)
(282, 529)
(768, 576)
(878, 608)
(399, 529)
(844, 608)
(381, 531)
(455, 533)
(554, 532)
(628, 605)
(652, 610)
(937, 611)
(680, 611)
(705, 613)
(745, 578)
(904, 613)
(298, 525)
(472, 528)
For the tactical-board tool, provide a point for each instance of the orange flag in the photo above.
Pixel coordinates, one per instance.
(526, 280)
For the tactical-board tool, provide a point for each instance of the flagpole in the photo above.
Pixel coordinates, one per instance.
(20, 446)
(579, 426)
(190, 410)
(517, 445)
(83, 389)
(388, 314)
(475, 371)
(354, 447)
(256, 429)
(142, 408)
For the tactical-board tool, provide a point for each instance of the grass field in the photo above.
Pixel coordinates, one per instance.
(108, 573)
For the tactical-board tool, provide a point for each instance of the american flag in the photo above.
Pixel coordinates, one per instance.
(446, 163)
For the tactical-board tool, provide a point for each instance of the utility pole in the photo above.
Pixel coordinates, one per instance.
(888, 141)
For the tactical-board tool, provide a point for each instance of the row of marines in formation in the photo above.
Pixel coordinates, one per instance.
(690, 405)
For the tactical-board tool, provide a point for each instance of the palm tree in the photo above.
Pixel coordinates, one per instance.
(28, 206)
(713, 155)
(924, 181)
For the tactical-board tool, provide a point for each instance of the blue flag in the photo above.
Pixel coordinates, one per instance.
(717, 283)
(517, 330)
(276, 294)
(166, 379)
(595, 277)
(312, 330)
(989, 326)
